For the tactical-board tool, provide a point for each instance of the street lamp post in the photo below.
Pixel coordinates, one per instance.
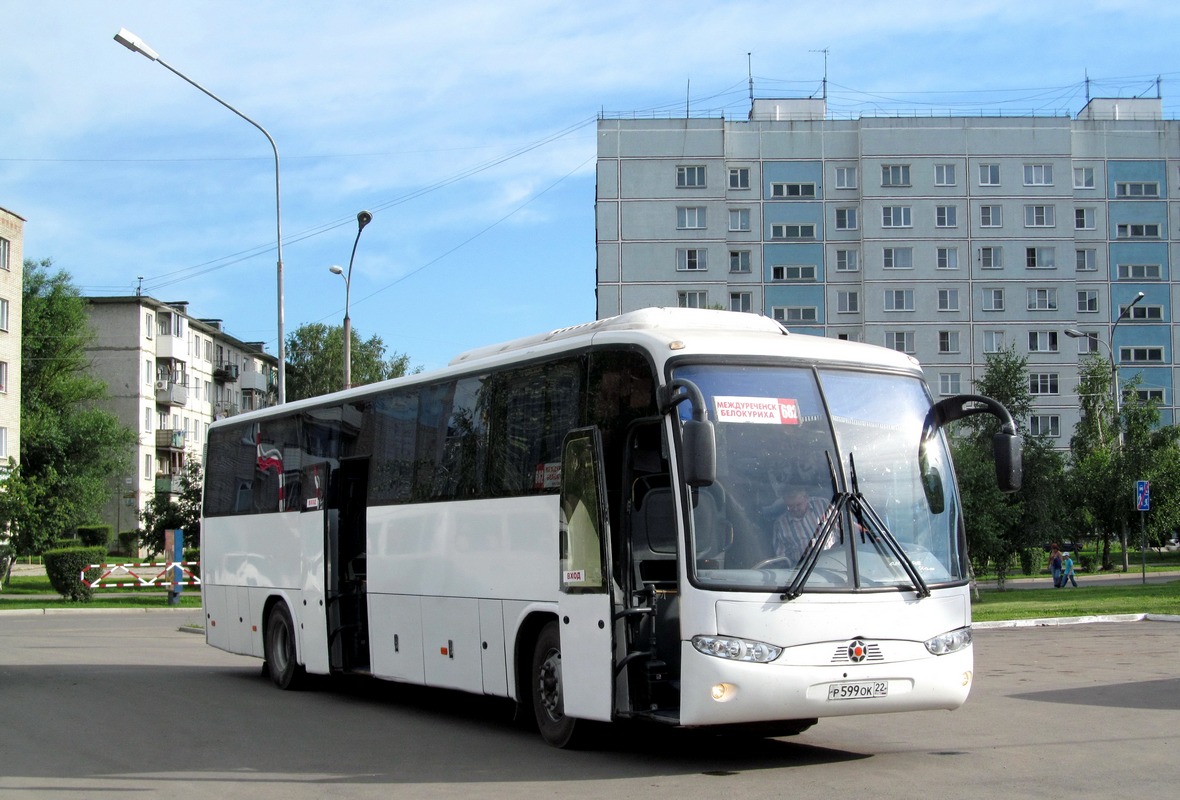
(137, 45)
(1115, 389)
(362, 219)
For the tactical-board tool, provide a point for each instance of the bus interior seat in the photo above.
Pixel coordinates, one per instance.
(653, 533)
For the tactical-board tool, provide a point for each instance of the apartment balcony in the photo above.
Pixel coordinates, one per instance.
(253, 380)
(167, 439)
(167, 484)
(225, 373)
(171, 394)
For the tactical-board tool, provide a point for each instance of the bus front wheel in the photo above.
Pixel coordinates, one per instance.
(281, 662)
(548, 696)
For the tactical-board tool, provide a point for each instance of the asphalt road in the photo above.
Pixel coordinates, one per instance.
(104, 704)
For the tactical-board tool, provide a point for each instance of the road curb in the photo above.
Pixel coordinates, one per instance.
(1050, 621)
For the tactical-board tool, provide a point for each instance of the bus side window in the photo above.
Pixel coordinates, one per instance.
(582, 519)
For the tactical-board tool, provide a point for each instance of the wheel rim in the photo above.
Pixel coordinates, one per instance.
(549, 685)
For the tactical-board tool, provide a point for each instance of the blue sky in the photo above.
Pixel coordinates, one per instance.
(466, 128)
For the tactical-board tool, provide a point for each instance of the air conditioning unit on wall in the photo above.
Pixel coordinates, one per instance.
(161, 386)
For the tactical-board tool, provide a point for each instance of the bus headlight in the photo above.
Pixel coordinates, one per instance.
(736, 649)
(951, 642)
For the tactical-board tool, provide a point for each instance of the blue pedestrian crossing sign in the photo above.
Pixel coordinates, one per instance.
(1142, 495)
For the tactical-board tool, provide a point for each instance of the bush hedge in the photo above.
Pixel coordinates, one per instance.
(95, 535)
(64, 569)
(1031, 560)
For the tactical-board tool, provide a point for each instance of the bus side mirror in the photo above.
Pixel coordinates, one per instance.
(700, 452)
(1009, 465)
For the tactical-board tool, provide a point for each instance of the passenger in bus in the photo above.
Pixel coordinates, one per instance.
(797, 526)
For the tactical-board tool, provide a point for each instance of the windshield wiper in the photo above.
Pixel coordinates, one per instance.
(869, 520)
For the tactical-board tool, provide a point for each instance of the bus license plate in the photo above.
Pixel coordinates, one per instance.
(857, 691)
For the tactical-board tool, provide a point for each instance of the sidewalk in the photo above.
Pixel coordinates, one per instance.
(1135, 575)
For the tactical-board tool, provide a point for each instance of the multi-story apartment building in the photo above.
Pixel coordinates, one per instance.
(168, 376)
(945, 237)
(11, 289)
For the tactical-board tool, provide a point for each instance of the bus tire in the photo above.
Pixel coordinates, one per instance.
(281, 661)
(547, 693)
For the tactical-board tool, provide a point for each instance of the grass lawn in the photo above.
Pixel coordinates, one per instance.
(1086, 600)
(16, 595)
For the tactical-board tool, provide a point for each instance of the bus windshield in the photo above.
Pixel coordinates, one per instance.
(823, 471)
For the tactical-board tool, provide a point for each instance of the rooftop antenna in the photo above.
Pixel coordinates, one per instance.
(824, 93)
(1087, 74)
(750, 77)
(139, 288)
(687, 96)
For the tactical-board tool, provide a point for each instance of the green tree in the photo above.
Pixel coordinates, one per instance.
(70, 446)
(162, 513)
(999, 526)
(315, 360)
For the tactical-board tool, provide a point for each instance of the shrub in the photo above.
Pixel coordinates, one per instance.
(129, 544)
(95, 535)
(1088, 562)
(1031, 560)
(64, 569)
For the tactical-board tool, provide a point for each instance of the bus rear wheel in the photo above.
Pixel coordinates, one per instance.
(547, 692)
(281, 661)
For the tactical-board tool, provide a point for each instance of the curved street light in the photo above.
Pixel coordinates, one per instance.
(137, 45)
(362, 219)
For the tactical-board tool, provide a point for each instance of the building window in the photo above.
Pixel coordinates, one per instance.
(1088, 301)
(1139, 272)
(948, 341)
(948, 299)
(5, 248)
(804, 230)
(847, 261)
(1042, 341)
(1144, 312)
(796, 314)
(949, 383)
(848, 302)
(149, 324)
(899, 299)
(1042, 383)
(993, 299)
(845, 219)
(901, 341)
(1038, 174)
(947, 257)
(3, 377)
(739, 260)
(991, 216)
(741, 301)
(1045, 425)
(739, 178)
(690, 177)
(946, 217)
(792, 190)
(696, 299)
(899, 258)
(1083, 219)
(895, 174)
(1041, 299)
(3, 439)
(1040, 257)
(739, 219)
(989, 174)
(845, 177)
(1039, 217)
(993, 341)
(896, 217)
(792, 272)
(3, 314)
(1083, 177)
(1150, 395)
(1147, 230)
(944, 175)
(1141, 355)
(208, 349)
(690, 217)
(1137, 189)
(1086, 259)
(991, 257)
(691, 260)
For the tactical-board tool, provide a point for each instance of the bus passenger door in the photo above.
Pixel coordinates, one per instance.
(345, 581)
(586, 606)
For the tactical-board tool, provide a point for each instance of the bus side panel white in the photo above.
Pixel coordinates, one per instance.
(218, 631)
(491, 634)
(451, 643)
(395, 633)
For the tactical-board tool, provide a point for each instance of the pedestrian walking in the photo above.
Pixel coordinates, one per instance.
(1055, 564)
(1067, 574)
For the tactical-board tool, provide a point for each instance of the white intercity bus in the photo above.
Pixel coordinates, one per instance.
(591, 522)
